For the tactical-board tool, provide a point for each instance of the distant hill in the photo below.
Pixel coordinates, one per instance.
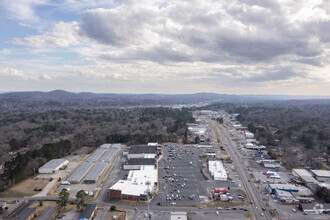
(65, 99)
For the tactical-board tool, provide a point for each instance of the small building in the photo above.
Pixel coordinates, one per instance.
(179, 216)
(53, 166)
(217, 170)
(322, 175)
(95, 173)
(88, 212)
(136, 163)
(285, 197)
(49, 214)
(25, 213)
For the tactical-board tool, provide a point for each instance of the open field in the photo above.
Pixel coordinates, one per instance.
(26, 188)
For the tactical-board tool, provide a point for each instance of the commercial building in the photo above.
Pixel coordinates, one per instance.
(283, 187)
(95, 173)
(53, 166)
(304, 176)
(210, 153)
(138, 183)
(315, 208)
(249, 134)
(137, 163)
(322, 175)
(88, 212)
(217, 170)
(285, 197)
(143, 151)
(79, 173)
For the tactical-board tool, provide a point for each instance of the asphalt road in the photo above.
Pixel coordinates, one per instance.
(247, 183)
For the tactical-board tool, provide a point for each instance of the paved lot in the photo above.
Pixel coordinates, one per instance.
(213, 215)
(180, 176)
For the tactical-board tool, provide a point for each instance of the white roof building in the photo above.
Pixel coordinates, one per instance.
(53, 166)
(322, 175)
(137, 181)
(217, 170)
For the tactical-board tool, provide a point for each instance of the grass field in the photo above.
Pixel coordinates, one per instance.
(26, 188)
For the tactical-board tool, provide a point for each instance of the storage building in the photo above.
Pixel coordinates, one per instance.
(88, 212)
(79, 173)
(108, 155)
(217, 170)
(283, 187)
(305, 176)
(96, 155)
(95, 173)
(49, 214)
(105, 146)
(53, 166)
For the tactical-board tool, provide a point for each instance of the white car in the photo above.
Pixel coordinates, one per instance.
(173, 203)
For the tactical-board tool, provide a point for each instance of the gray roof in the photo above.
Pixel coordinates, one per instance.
(97, 170)
(48, 213)
(142, 149)
(107, 146)
(79, 173)
(116, 145)
(24, 212)
(96, 155)
(88, 211)
(107, 156)
(321, 173)
(53, 164)
(140, 161)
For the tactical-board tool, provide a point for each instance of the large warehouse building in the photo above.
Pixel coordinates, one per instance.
(79, 173)
(137, 163)
(136, 185)
(53, 166)
(322, 175)
(143, 151)
(217, 170)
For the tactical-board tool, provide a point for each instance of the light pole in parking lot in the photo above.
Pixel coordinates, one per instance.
(148, 191)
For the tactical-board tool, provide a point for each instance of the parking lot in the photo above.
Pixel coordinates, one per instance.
(181, 180)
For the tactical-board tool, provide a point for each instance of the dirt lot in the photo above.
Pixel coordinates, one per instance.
(26, 188)
(120, 215)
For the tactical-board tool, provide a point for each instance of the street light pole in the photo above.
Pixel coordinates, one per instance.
(148, 191)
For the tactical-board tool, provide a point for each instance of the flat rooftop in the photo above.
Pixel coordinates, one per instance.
(321, 173)
(53, 164)
(142, 149)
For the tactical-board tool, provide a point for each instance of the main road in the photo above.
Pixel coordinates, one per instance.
(250, 189)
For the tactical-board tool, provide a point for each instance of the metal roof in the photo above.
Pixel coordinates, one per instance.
(140, 161)
(88, 211)
(79, 173)
(97, 170)
(301, 172)
(321, 173)
(96, 155)
(107, 146)
(48, 213)
(107, 156)
(116, 145)
(53, 164)
(142, 149)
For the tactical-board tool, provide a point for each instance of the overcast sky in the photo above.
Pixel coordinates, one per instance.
(138, 46)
